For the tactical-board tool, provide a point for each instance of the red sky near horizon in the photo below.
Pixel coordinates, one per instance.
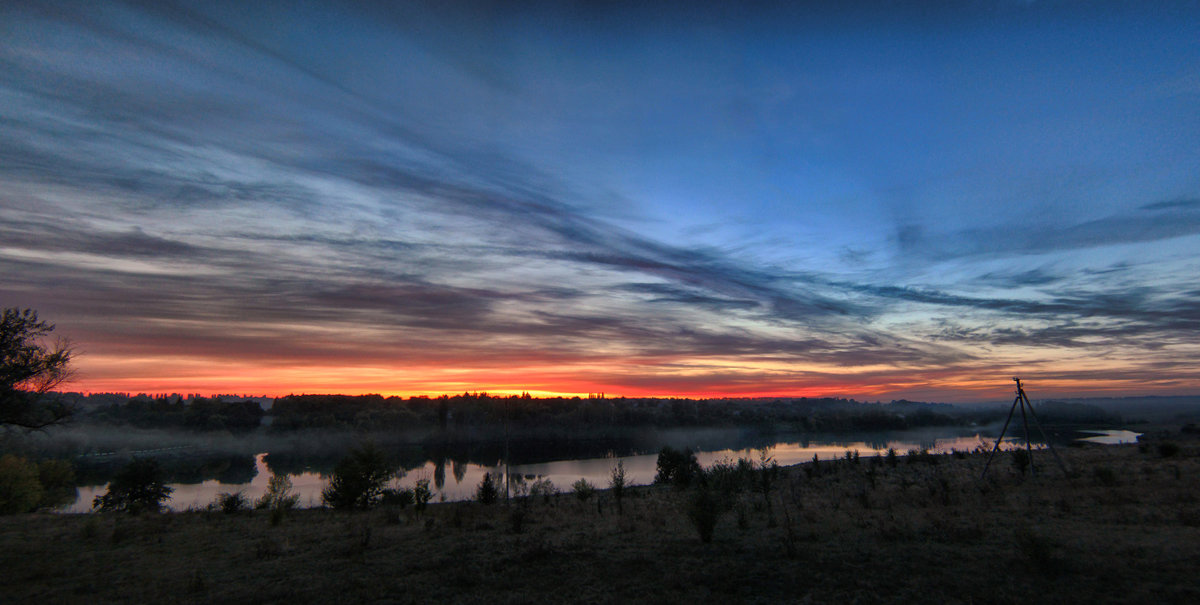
(811, 199)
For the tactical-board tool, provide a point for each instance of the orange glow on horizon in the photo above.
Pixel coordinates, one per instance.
(206, 377)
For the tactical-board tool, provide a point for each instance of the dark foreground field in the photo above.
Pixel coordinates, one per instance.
(1125, 527)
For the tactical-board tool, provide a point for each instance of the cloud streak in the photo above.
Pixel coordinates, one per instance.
(180, 187)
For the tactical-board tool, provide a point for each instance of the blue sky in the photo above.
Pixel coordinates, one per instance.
(871, 200)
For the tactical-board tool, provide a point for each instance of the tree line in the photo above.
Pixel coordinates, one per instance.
(480, 410)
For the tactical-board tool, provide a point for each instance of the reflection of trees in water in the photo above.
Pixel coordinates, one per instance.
(241, 469)
(184, 469)
(292, 459)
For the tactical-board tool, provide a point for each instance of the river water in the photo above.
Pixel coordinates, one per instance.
(453, 480)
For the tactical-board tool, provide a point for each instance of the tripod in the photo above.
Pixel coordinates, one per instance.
(1023, 401)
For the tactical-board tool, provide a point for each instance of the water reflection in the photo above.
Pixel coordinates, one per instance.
(640, 469)
(1110, 437)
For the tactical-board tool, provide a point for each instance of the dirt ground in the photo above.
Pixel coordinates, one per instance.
(1124, 526)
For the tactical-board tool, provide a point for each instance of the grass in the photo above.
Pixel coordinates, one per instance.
(866, 532)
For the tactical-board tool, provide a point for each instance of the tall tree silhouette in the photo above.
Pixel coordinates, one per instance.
(29, 370)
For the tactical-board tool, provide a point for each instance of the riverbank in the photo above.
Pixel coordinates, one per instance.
(1123, 527)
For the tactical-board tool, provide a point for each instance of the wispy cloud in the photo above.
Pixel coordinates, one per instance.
(177, 185)
(1150, 223)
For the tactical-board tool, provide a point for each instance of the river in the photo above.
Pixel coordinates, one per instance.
(457, 480)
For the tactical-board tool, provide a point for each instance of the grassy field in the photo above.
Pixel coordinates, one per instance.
(1124, 527)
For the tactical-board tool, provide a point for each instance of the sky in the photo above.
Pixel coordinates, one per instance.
(868, 199)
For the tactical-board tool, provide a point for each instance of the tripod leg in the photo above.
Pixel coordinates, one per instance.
(1000, 438)
(1025, 427)
(1046, 439)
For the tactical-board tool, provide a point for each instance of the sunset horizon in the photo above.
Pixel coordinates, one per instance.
(991, 392)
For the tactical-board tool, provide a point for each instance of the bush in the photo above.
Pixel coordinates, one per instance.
(519, 487)
(20, 490)
(359, 479)
(728, 479)
(617, 483)
(279, 494)
(703, 510)
(399, 497)
(487, 492)
(1168, 449)
(421, 494)
(544, 488)
(767, 474)
(58, 483)
(232, 503)
(583, 490)
(676, 467)
(922, 456)
(765, 479)
(138, 487)
(26, 486)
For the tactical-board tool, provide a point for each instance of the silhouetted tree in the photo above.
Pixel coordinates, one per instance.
(765, 479)
(29, 370)
(138, 487)
(279, 497)
(359, 479)
(676, 467)
(704, 510)
(487, 492)
(617, 484)
(421, 494)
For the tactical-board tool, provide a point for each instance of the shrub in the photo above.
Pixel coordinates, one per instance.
(279, 495)
(814, 469)
(487, 492)
(676, 467)
(421, 494)
(765, 479)
(768, 473)
(20, 490)
(58, 483)
(400, 497)
(359, 479)
(583, 490)
(617, 483)
(703, 510)
(137, 487)
(544, 488)
(892, 457)
(922, 456)
(26, 486)
(231, 503)
(727, 478)
(519, 487)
